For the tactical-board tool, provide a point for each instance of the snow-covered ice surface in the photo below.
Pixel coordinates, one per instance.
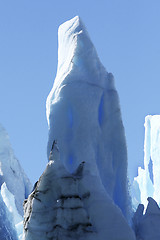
(147, 183)
(14, 185)
(67, 206)
(84, 116)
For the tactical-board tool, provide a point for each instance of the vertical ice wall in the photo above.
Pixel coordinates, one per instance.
(83, 113)
(7, 230)
(11, 172)
(14, 188)
(147, 183)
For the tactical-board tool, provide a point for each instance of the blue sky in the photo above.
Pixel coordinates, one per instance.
(126, 35)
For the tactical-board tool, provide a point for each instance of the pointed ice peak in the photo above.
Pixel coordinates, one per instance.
(72, 26)
(76, 52)
(84, 116)
(69, 34)
(147, 226)
(152, 207)
(78, 62)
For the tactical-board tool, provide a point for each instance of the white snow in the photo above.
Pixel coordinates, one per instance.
(83, 113)
(147, 183)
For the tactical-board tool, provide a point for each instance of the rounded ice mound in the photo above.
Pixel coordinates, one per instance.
(84, 115)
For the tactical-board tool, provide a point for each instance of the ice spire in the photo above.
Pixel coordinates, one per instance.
(147, 183)
(76, 56)
(83, 113)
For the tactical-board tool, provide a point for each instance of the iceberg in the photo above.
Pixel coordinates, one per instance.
(84, 115)
(147, 183)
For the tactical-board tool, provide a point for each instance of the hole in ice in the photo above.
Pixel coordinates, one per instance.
(100, 110)
(150, 168)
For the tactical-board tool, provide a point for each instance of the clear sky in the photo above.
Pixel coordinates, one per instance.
(126, 34)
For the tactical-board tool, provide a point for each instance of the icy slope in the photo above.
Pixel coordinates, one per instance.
(14, 188)
(13, 216)
(7, 230)
(147, 183)
(11, 172)
(67, 206)
(84, 115)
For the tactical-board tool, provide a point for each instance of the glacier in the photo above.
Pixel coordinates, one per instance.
(14, 187)
(12, 173)
(84, 115)
(13, 215)
(74, 205)
(7, 229)
(145, 188)
(147, 183)
(83, 193)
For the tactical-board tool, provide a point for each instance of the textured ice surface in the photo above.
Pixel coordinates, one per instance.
(67, 206)
(147, 183)
(7, 229)
(84, 115)
(11, 172)
(13, 215)
(14, 187)
(146, 225)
